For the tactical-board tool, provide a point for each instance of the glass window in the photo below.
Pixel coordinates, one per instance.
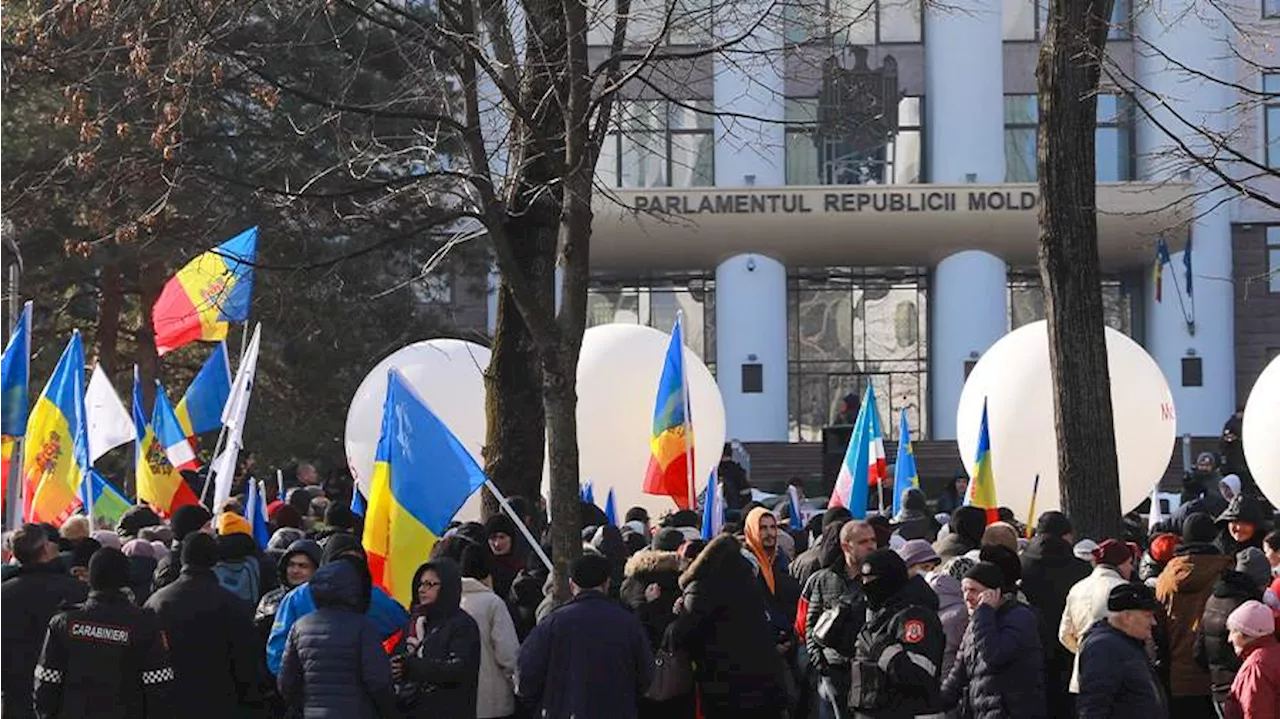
(833, 162)
(1121, 19)
(654, 302)
(853, 22)
(661, 144)
(690, 22)
(1026, 301)
(847, 326)
(1018, 19)
(1270, 8)
(1271, 117)
(1273, 257)
(1113, 143)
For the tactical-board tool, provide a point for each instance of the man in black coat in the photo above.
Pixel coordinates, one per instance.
(104, 659)
(1049, 570)
(186, 520)
(1116, 678)
(211, 638)
(30, 597)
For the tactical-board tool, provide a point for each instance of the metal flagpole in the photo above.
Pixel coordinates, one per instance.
(502, 501)
(688, 416)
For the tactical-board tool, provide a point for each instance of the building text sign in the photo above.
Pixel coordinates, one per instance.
(877, 201)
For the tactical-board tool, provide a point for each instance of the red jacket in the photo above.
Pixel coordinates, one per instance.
(1255, 693)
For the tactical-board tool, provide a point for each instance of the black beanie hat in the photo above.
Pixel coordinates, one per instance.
(1007, 560)
(1198, 528)
(501, 524)
(987, 574)
(589, 571)
(1054, 523)
(187, 519)
(668, 539)
(883, 574)
(108, 570)
(339, 516)
(339, 544)
(199, 550)
(833, 515)
(82, 552)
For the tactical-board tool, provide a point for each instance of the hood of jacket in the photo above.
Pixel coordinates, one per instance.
(1192, 573)
(720, 559)
(649, 561)
(968, 523)
(471, 585)
(338, 585)
(232, 547)
(913, 506)
(339, 544)
(303, 546)
(1049, 549)
(449, 600)
(1236, 585)
(946, 589)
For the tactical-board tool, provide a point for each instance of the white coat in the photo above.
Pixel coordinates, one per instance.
(499, 649)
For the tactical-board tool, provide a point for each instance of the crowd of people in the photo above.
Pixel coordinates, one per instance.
(912, 615)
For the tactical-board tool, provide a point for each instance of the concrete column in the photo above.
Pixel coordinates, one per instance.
(964, 105)
(751, 328)
(1196, 39)
(749, 82)
(968, 312)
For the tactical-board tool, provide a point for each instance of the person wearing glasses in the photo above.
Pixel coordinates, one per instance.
(437, 663)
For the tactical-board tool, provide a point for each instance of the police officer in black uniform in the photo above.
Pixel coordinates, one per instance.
(899, 650)
(104, 659)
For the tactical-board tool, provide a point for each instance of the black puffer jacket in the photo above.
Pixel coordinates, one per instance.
(914, 520)
(1213, 649)
(444, 668)
(999, 671)
(967, 525)
(334, 666)
(1049, 570)
(30, 597)
(895, 671)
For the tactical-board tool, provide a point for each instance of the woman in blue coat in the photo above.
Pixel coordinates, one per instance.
(999, 670)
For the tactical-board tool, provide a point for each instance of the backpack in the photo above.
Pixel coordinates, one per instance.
(240, 577)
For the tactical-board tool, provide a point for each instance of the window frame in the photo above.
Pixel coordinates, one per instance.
(1122, 121)
(1275, 9)
(607, 24)
(792, 127)
(831, 36)
(1271, 241)
(1270, 105)
(1122, 30)
(617, 134)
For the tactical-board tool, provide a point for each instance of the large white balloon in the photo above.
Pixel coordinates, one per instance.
(618, 373)
(1261, 431)
(1014, 378)
(448, 375)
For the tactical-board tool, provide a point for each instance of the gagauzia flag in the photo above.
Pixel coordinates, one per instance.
(422, 475)
(863, 462)
(671, 440)
(208, 293)
(55, 455)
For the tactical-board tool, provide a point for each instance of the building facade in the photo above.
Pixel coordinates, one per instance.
(849, 197)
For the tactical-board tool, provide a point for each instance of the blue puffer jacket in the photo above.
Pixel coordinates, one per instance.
(387, 615)
(999, 670)
(1116, 679)
(334, 666)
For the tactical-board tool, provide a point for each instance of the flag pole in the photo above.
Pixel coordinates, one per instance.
(218, 446)
(688, 417)
(502, 501)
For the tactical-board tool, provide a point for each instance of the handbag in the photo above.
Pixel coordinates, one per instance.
(837, 627)
(672, 676)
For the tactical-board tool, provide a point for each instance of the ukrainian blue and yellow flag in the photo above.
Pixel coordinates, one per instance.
(200, 409)
(982, 486)
(905, 475)
(55, 455)
(422, 475)
(159, 484)
(671, 443)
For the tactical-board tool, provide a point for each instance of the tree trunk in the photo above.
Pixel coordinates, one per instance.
(110, 300)
(151, 278)
(1068, 73)
(559, 389)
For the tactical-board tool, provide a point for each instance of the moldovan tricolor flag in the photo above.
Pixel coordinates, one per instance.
(422, 475)
(159, 484)
(169, 431)
(982, 486)
(15, 378)
(209, 292)
(671, 442)
(55, 454)
(200, 409)
(864, 460)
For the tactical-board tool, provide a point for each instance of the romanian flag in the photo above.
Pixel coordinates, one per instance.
(1157, 268)
(671, 443)
(169, 431)
(200, 409)
(55, 455)
(905, 475)
(982, 486)
(107, 502)
(209, 292)
(422, 475)
(159, 484)
(15, 378)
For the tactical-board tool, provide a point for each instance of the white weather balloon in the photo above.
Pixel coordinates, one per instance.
(618, 374)
(1261, 431)
(448, 375)
(1013, 376)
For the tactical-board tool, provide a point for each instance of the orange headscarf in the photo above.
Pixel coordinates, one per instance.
(763, 558)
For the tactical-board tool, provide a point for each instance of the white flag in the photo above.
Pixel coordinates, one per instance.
(1156, 515)
(233, 414)
(110, 424)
